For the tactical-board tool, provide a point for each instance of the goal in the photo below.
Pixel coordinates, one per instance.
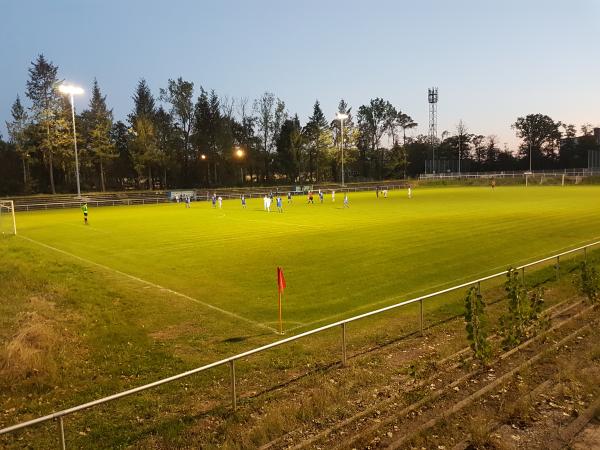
(8, 224)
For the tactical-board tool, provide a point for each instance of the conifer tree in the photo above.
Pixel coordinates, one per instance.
(99, 122)
(16, 131)
(45, 107)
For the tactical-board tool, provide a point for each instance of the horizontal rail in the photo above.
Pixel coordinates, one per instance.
(512, 174)
(198, 197)
(278, 343)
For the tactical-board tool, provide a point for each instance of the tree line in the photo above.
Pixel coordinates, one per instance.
(187, 136)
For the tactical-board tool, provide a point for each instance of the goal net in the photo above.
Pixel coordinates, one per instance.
(8, 224)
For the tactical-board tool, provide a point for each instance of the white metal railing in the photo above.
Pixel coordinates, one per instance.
(232, 359)
(512, 174)
(91, 202)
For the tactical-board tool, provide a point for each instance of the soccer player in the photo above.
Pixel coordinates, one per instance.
(333, 196)
(310, 197)
(493, 184)
(409, 191)
(243, 201)
(265, 200)
(214, 200)
(279, 204)
(346, 201)
(377, 191)
(84, 208)
(187, 201)
(289, 196)
(220, 199)
(320, 196)
(268, 204)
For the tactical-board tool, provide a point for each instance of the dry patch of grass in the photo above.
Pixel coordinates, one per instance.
(31, 353)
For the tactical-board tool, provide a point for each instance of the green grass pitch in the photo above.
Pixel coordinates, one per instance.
(337, 262)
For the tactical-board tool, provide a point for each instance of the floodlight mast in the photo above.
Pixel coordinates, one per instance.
(341, 117)
(71, 90)
(432, 98)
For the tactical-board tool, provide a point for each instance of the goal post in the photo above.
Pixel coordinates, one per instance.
(8, 223)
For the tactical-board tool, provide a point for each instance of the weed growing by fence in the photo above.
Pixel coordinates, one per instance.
(475, 324)
(524, 316)
(589, 282)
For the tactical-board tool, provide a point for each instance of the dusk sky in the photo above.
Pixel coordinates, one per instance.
(492, 60)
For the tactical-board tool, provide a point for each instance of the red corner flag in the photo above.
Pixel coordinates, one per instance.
(280, 280)
(281, 287)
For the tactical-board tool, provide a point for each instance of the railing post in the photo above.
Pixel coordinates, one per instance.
(62, 433)
(585, 253)
(479, 287)
(523, 274)
(421, 316)
(557, 268)
(343, 344)
(233, 394)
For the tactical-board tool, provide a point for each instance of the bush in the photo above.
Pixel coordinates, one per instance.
(476, 326)
(589, 282)
(524, 316)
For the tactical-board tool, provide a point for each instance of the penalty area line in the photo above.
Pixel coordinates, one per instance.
(154, 285)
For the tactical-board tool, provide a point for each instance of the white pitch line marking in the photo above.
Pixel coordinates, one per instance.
(150, 284)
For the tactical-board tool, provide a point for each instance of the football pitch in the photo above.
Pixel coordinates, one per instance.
(337, 262)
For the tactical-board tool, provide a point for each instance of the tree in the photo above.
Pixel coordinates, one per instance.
(406, 123)
(540, 136)
(145, 153)
(9, 168)
(179, 94)
(45, 105)
(317, 137)
(479, 149)
(584, 144)
(167, 140)
(143, 102)
(271, 114)
(492, 151)
(289, 148)
(99, 121)
(246, 137)
(123, 167)
(16, 131)
(144, 150)
(463, 137)
(373, 122)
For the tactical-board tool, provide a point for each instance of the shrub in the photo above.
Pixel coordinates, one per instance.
(524, 316)
(589, 282)
(476, 326)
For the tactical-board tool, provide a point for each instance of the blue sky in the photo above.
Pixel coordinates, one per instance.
(492, 60)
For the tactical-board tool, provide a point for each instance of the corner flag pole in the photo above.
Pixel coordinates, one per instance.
(280, 288)
(280, 324)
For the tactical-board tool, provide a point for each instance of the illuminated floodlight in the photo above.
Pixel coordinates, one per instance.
(70, 89)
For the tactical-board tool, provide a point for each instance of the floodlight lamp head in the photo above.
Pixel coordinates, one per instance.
(342, 116)
(70, 89)
(432, 95)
